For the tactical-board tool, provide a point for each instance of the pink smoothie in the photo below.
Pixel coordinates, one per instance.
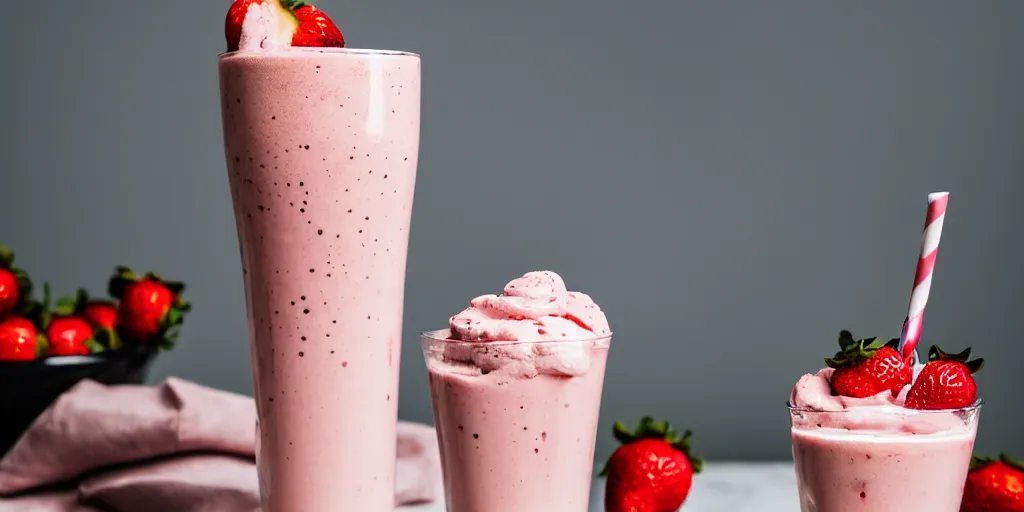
(321, 148)
(874, 455)
(516, 386)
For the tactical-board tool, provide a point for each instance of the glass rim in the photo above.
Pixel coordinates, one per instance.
(436, 336)
(338, 51)
(970, 408)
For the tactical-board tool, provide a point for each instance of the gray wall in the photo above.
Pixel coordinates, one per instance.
(733, 182)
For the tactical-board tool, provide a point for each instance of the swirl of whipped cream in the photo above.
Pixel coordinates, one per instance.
(882, 413)
(534, 308)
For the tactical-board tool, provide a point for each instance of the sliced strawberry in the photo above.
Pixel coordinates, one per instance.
(868, 367)
(310, 27)
(315, 28)
(945, 382)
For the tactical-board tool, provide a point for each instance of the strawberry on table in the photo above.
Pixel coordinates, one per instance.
(19, 340)
(945, 382)
(307, 25)
(15, 286)
(149, 308)
(994, 485)
(867, 367)
(652, 471)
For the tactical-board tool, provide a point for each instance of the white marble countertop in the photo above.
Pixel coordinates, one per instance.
(722, 487)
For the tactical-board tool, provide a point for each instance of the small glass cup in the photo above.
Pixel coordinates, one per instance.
(516, 421)
(869, 460)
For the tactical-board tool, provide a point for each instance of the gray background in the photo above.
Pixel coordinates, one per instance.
(732, 181)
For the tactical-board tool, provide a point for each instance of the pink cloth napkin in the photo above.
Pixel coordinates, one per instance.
(177, 447)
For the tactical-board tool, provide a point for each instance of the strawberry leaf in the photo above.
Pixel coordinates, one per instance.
(854, 352)
(937, 354)
(1013, 463)
(121, 278)
(6, 257)
(109, 338)
(94, 346)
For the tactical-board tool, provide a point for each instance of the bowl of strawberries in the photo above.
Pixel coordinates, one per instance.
(48, 345)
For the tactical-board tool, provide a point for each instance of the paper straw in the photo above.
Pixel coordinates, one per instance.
(925, 268)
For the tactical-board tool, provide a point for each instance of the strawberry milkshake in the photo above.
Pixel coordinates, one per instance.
(867, 438)
(321, 145)
(516, 386)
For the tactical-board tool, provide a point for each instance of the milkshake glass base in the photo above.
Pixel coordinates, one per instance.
(858, 469)
(516, 421)
(321, 148)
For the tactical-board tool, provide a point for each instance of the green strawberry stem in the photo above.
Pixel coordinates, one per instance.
(980, 461)
(937, 354)
(108, 338)
(648, 428)
(42, 345)
(853, 352)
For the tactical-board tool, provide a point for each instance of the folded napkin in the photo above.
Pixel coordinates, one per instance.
(177, 447)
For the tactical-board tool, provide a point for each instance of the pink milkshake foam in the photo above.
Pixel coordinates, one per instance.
(516, 385)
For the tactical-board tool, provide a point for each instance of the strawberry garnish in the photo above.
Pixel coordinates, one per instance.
(652, 471)
(15, 286)
(150, 309)
(18, 339)
(309, 26)
(945, 382)
(70, 336)
(868, 367)
(994, 485)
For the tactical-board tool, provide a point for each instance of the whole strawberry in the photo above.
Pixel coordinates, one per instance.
(18, 339)
(15, 286)
(994, 486)
(868, 367)
(945, 382)
(149, 308)
(101, 315)
(70, 336)
(299, 22)
(652, 471)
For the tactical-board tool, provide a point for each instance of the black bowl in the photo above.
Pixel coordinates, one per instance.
(28, 388)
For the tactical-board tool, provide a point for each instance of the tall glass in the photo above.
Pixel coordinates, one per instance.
(869, 461)
(516, 421)
(321, 148)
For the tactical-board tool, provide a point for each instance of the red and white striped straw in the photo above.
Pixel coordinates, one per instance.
(925, 268)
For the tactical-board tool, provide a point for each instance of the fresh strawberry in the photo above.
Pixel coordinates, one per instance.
(868, 367)
(150, 309)
(652, 471)
(945, 382)
(102, 314)
(70, 336)
(307, 25)
(18, 339)
(15, 286)
(994, 486)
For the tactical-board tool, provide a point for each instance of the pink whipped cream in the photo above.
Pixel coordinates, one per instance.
(500, 332)
(882, 413)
